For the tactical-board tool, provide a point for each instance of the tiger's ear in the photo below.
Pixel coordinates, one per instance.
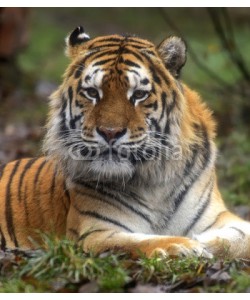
(173, 52)
(75, 40)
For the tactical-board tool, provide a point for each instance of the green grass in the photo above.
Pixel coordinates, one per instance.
(63, 267)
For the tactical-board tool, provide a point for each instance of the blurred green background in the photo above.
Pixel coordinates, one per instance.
(217, 67)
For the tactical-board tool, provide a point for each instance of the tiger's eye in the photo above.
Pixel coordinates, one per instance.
(92, 92)
(139, 94)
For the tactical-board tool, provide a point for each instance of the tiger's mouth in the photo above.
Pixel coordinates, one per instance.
(114, 154)
(93, 150)
(131, 152)
(110, 163)
(111, 153)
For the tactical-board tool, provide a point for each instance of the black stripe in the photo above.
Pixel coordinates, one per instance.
(156, 78)
(171, 106)
(79, 86)
(117, 199)
(153, 69)
(39, 171)
(66, 192)
(215, 221)
(25, 205)
(102, 218)
(205, 155)
(102, 62)
(201, 209)
(100, 47)
(137, 55)
(88, 77)
(131, 63)
(128, 194)
(88, 233)
(195, 148)
(3, 240)
(167, 127)
(88, 56)
(130, 143)
(37, 192)
(74, 120)
(52, 190)
(108, 40)
(26, 209)
(104, 53)
(94, 197)
(78, 104)
(112, 234)
(191, 162)
(67, 195)
(163, 104)
(243, 235)
(132, 71)
(136, 197)
(79, 71)
(153, 105)
(144, 81)
(154, 122)
(63, 127)
(70, 95)
(25, 169)
(131, 194)
(8, 207)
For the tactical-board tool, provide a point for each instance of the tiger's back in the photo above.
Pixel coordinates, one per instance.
(33, 200)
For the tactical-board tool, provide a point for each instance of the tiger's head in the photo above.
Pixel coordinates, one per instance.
(119, 109)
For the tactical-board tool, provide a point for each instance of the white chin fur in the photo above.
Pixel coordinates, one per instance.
(110, 169)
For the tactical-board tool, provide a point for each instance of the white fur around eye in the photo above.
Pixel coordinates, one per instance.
(92, 78)
(135, 83)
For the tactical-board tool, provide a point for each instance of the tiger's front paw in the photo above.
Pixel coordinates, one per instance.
(218, 242)
(173, 247)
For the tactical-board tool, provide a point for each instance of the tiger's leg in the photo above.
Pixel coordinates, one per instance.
(98, 233)
(227, 235)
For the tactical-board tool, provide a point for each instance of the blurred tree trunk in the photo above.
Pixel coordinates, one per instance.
(13, 31)
(13, 38)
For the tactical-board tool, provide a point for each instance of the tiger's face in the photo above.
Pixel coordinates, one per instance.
(114, 107)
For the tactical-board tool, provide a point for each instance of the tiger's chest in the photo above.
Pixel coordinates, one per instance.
(148, 212)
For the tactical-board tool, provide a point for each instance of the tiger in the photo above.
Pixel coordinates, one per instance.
(129, 159)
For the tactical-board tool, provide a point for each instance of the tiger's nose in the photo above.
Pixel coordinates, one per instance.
(111, 134)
